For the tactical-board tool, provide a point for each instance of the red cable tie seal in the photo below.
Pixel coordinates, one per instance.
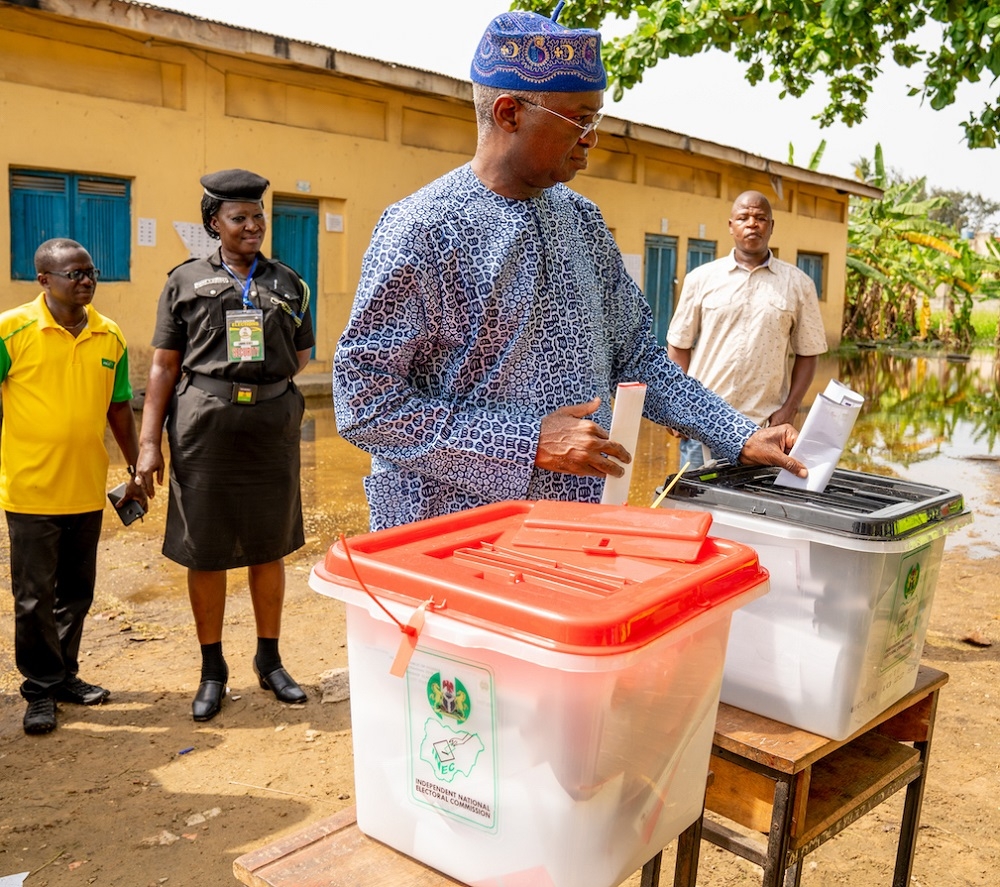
(408, 642)
(411, 631)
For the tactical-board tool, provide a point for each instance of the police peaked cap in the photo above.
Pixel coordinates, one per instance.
(234, 184)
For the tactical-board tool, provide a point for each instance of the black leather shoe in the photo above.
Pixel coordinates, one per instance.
(80, 692)
(281, 683)
(40, 716)
(208, 700)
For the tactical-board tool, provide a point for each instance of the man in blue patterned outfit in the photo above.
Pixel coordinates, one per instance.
(494, 316)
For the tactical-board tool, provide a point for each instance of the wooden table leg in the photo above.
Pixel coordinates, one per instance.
(912, 806)
(780, 837)
(793, 874)
(688, 851)
(651, 871)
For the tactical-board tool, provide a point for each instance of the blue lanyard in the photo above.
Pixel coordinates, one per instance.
(246, 285)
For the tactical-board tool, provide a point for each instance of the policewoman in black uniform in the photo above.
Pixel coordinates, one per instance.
(231, 332)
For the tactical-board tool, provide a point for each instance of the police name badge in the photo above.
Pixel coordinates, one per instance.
(245, 333)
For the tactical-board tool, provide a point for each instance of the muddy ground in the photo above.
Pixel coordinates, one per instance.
(133, 793)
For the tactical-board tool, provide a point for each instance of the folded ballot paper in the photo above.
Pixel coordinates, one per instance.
(823, 437)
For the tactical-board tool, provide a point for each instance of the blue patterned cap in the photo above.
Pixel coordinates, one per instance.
(526, 51)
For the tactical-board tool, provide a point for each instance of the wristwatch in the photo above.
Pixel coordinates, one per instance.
(131, 470)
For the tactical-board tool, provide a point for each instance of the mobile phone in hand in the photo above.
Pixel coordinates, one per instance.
(131, 511)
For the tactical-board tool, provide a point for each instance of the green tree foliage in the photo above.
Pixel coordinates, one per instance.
(899, 258)
(843, 43)
(814, 160)
(964, 210)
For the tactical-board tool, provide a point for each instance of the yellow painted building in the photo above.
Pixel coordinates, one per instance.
(110, 112)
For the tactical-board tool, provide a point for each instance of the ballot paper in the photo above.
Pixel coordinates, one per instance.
(823, 437)
(629, 399)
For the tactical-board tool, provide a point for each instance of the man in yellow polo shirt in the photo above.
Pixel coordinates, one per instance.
(64, 374)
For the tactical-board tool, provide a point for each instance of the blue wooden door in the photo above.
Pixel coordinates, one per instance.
(295, 241)
(661, 272)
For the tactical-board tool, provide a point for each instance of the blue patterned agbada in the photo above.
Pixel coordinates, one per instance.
(477, 315)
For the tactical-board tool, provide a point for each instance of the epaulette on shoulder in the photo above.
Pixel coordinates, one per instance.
(182, 264)
(295, 274)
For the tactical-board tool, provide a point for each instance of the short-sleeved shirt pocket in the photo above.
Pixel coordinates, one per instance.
(780, 312)
(210, 290)
(722, 299)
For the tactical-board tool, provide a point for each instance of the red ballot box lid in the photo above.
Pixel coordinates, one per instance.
(564, 575)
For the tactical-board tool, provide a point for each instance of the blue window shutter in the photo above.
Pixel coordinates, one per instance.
(812, 264)
(700, 252)
(102, 224)
(39, 211)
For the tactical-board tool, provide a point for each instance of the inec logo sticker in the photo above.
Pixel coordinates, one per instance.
(448, 698)
(451, 727)
(912, 581)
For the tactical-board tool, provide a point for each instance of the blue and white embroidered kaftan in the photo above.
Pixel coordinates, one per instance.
(475, 316)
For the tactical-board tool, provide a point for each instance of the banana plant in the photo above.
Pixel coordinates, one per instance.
(898, 259)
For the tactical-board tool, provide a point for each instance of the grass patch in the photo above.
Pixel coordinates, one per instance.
(984, 322)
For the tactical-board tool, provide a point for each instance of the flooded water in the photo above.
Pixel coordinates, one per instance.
(925, 419)
(932, 420)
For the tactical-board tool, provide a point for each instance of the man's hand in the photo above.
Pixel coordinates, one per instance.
(571, 444)
(784, 413)
(770, 446)
(135, 490)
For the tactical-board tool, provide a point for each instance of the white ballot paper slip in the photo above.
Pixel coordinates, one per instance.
(629, 399)
(823, 437)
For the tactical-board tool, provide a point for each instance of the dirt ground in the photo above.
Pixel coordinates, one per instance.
(134, 793)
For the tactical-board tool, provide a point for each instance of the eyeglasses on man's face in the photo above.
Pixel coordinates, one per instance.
(77, 275)
(585, 128)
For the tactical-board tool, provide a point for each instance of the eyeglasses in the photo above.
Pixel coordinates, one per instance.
(77, 276)
(585, 128)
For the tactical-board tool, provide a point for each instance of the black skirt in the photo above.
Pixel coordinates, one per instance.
(235, 499)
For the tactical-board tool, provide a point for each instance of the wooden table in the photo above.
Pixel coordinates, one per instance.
(800, 789)
(334, 853)
(795, 787)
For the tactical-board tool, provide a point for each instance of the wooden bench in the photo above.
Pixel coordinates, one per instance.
(334, 853)
(800, 789)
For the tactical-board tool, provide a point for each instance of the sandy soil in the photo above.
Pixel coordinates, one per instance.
(134, 793)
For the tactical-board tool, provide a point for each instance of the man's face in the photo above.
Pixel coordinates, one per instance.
(555, 148)
(67, 293)
(751, 226)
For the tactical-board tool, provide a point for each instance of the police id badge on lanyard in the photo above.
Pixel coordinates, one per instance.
(245, 328)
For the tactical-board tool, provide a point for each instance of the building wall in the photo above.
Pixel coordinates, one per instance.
(85, 96)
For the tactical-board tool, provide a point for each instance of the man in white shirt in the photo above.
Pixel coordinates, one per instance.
(748, 325)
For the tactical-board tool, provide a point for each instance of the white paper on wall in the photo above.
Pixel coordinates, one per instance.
(195, 238)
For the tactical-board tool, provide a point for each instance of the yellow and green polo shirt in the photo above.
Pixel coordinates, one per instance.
(56, 392)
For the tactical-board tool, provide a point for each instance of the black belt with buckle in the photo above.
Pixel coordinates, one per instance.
(239, 393)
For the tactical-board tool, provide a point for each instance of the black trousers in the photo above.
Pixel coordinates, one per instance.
(53, 566)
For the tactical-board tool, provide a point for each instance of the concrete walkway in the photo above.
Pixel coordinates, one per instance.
(315, 385)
